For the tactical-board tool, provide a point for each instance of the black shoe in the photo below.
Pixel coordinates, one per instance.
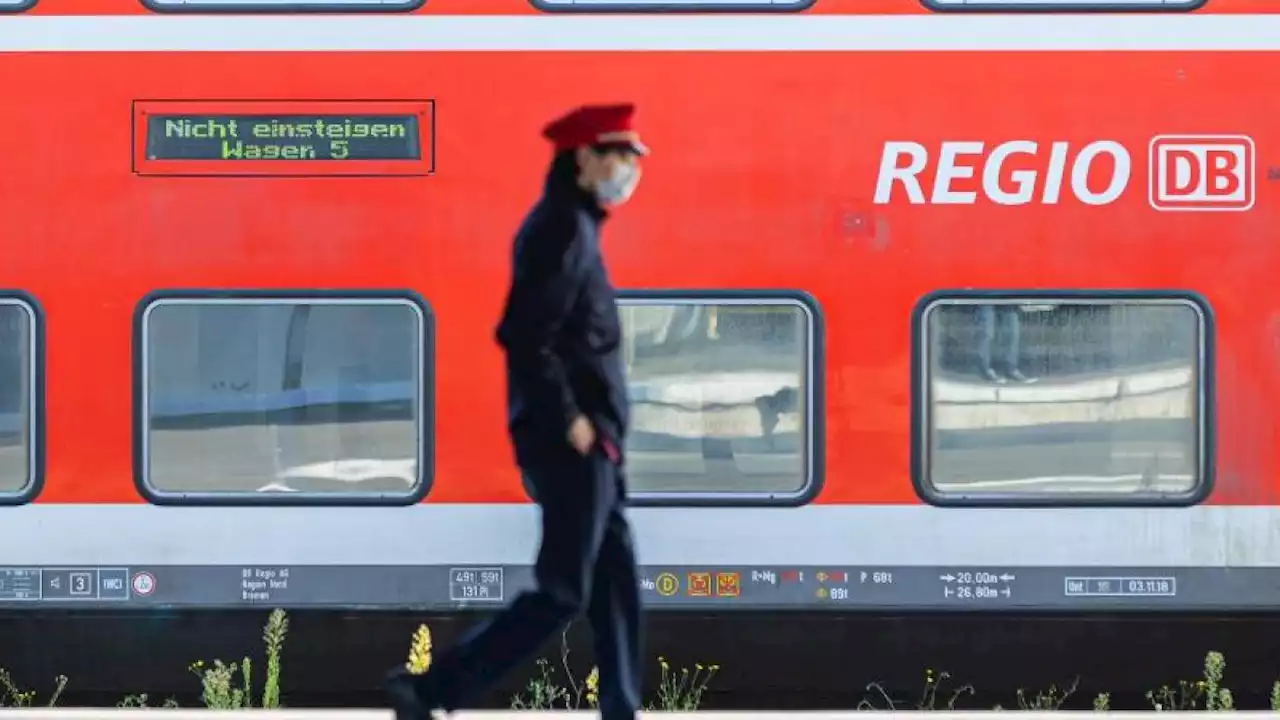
(407, 698)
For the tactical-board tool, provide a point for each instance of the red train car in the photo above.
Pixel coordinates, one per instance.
(944, 305)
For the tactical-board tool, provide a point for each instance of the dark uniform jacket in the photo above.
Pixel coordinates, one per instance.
(561, 330)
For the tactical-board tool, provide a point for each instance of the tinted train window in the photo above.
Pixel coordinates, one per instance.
(17, 399)
(284, 5)
(1078, 400)
(721, 395)
(1063, 5)
(15, 5)
(314, 398)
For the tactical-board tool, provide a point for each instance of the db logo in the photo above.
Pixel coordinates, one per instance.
(1201, 173)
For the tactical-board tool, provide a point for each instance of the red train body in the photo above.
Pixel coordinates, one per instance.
(928, 305)
(255, 260)
(208, 342)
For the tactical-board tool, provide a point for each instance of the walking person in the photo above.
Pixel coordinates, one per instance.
(993, 321)
(567, 417)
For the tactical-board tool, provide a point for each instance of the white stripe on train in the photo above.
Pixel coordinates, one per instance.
(639, 33)
(1205, 536)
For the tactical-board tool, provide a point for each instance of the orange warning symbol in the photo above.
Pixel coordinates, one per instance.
(700, 584)
(728, 584)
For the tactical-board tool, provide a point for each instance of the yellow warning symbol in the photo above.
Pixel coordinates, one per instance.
(667, 584)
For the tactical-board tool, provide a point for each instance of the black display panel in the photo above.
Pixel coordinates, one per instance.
(283, 137)
(805, 588)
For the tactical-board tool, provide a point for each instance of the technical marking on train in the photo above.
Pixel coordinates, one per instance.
(1034, 33)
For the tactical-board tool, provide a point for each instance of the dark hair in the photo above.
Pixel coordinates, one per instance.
(564, 170)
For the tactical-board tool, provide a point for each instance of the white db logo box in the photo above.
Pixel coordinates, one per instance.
(1201, 173)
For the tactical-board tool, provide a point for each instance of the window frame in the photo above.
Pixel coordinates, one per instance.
(425, 398)
(696, 7)
(22, 6)
(1129, 7)
(35, 397)
(921, 405)
(302, 7)
(815, 415)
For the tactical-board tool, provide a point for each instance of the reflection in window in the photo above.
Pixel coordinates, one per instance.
(720, 397)
(1064, 398)
(319, 396)
(17, 396)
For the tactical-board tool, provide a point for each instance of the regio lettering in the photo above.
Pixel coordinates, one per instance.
(1015, 187)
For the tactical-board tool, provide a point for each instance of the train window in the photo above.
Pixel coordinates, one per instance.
(288, 6)
(16, 5)
(1061, 398)
(272, 397)
(1063, 5)
(670, 5)
(19, 400)
(723, 397)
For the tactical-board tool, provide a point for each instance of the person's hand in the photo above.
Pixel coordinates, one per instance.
(581, 435)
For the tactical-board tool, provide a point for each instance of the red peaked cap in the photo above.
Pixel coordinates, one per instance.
(595, 124)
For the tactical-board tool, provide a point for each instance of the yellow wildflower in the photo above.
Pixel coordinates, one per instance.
(420, 651)
(593, 687)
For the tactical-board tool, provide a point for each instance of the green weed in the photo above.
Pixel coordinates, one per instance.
(682, 691)
(1204, 694)
(13, 696)
(929, 694)
(1051, 699)
(544, 693)
(140, 701)
(219, 689)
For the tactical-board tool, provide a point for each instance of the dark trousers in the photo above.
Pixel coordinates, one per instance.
(992, 318)
(586, 564)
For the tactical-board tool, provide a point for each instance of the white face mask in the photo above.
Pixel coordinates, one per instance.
(619, 187)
